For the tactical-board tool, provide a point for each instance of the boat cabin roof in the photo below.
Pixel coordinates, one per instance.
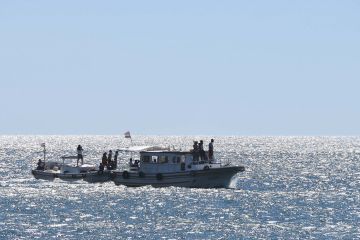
(175, 152)
(143, 148)
(154, 150)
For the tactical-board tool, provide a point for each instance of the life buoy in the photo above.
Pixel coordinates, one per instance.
(159, 176)
(125, 175)
(182, 166)
(141, 174)
(206, 168)
(112, 175)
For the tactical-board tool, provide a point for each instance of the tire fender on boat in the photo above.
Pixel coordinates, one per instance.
(83, 175)
(141, 174)
(125, 175)
(159, 176)
(206, 168)
(182, 166)
(112, 175)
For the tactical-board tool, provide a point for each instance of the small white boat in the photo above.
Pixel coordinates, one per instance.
(67, 172)
(162, 167)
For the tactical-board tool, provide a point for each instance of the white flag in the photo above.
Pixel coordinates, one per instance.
(43, 144)
(127, 134)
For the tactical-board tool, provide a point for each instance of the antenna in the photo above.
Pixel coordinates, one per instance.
(44, 151)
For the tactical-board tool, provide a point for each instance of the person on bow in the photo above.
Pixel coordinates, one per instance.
(40, 165)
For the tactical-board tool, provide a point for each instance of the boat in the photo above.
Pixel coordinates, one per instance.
(64, 171)
(163, 167)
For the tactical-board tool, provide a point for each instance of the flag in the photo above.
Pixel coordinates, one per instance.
(43, 144)
(127, 134)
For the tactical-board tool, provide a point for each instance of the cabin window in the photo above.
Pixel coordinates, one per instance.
(145, 159)
(174, 159)
(163, 159)
(178, 159)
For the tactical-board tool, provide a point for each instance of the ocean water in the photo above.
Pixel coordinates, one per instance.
(293, 188)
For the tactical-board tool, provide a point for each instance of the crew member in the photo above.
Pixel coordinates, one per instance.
(79, 155)
(115, 159)
(211, 149)
(104, 159)
(40, 165)
(201, 150)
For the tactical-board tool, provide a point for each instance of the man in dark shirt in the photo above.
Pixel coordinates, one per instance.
(211, 149)
(79, 155)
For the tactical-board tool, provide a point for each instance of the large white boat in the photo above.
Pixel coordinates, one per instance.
(162, 167)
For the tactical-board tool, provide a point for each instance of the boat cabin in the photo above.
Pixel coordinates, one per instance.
(171, 161)
(163, 160)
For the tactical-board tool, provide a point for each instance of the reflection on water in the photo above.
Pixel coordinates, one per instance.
(293, 187)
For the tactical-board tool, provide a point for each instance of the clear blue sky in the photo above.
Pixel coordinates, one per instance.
(180, 67)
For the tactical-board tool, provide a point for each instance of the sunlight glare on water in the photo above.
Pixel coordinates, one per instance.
(293, 187)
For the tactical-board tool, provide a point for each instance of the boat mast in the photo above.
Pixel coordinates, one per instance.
(44, 151)
(128, 135)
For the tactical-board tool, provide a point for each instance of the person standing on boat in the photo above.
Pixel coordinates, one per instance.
(211, 149)
(79, 155)
(109, 158)
(40, 165)
(104, 159)
(196, 151)
(115, 159)
(201, 150)
(101, 168)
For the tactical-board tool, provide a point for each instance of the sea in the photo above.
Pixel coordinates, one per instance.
(292, 188)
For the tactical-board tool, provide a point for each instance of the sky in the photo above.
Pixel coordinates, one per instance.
(247, 68)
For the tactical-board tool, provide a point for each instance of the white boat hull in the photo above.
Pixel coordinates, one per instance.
(51, 175)
(91, 176)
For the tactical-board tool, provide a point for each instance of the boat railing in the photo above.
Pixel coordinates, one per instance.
(69, 158)
(212, 161)
(226, 163)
